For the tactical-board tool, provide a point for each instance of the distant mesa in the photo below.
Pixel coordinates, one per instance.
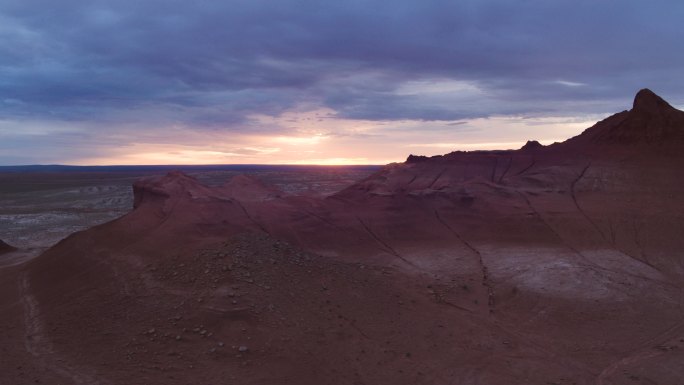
(5, 248)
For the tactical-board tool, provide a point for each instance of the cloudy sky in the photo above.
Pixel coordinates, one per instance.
(317, 81)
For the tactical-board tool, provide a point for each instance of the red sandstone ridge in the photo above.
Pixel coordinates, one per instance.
(652, 124)
(549, 264)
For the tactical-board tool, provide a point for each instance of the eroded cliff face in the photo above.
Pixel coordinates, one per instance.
(548, 264)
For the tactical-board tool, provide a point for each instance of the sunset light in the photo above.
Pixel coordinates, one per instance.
(319, 192)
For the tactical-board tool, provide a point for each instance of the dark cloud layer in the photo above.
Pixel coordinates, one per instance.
(213, 64)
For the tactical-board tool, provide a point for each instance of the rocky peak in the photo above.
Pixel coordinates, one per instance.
(531, 145)
(651, 123)
(646, 101)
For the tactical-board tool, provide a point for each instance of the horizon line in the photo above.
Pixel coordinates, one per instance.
(197, 165)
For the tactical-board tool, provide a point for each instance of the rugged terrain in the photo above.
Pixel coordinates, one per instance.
(558, 264)
(41, 205)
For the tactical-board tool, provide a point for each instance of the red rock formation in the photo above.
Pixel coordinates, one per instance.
(651, 125)
(548, 264)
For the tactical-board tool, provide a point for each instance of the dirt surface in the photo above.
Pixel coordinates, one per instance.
(547, 265)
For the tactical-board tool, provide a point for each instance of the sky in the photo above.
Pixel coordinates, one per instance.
(89, 82)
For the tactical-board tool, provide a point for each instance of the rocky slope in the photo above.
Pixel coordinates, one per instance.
(556, 264)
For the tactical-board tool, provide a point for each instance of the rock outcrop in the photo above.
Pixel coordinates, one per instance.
(538, 265)
(651, 125)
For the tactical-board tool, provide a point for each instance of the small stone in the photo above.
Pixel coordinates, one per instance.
(151, 331)
(243, 349)
(178, 338)
(221, 344)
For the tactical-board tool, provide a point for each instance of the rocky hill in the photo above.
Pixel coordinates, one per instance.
(554, 264)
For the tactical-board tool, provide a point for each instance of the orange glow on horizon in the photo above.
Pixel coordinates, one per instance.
(318, 138)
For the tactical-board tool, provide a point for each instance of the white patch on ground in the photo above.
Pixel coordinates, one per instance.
(604, 275)
(618, 261)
